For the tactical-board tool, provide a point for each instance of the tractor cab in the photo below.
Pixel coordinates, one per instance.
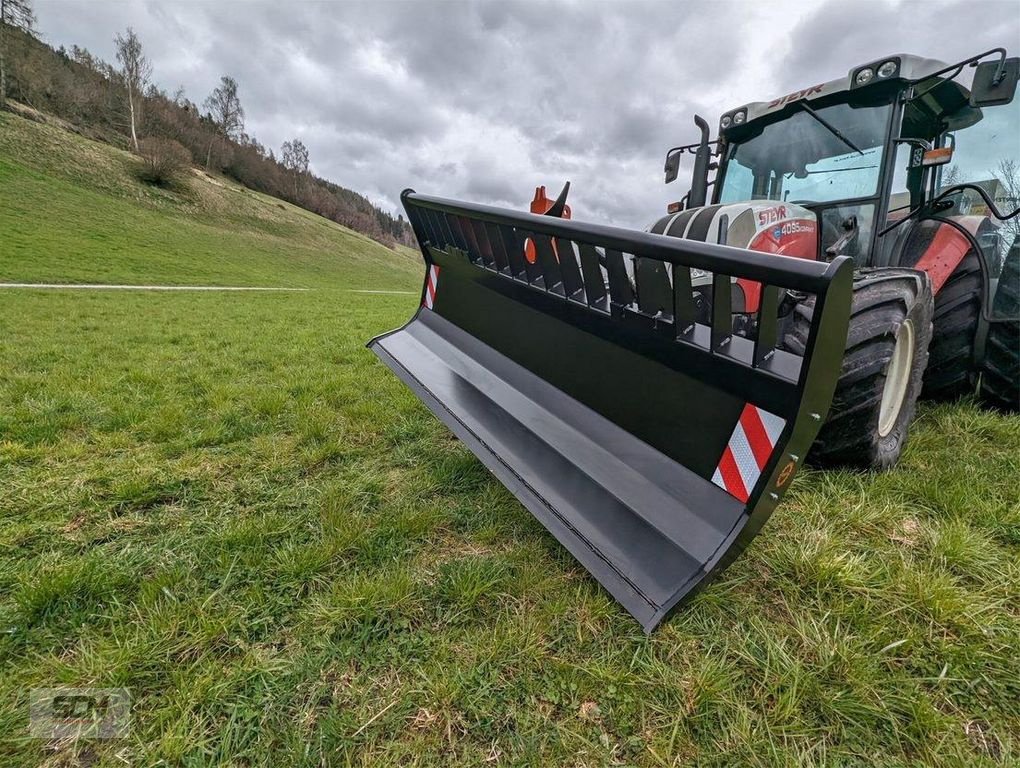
(866, 151)
(904, 163)
(830, 160)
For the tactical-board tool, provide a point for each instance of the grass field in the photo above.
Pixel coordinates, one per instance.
(225, 504)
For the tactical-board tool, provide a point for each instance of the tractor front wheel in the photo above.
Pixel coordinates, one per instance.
(882, 372)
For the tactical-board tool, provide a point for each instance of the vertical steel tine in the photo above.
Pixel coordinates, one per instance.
(569, 270)
(417, 225)
(492, 235)
(594, 281)
(428, 222)
(549, 264)
(653, 291)
(443, 231)
(456, 238)
(683, 300)
(722, 311)
(481, 241)
(514, 248)
(768, 311)
(468, 234)
(620, 289)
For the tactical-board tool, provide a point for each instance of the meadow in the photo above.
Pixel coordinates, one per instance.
(225, 504)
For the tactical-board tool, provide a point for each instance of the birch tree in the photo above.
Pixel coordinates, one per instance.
(135, 69)
(295, 156)
(225, 110)
(16, 14)
(295, 159)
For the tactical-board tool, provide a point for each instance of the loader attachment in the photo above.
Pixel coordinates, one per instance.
(653, 446)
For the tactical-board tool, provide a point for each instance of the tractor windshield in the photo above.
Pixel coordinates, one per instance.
(834, 154)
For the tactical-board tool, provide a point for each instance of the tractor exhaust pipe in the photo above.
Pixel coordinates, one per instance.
(699, 176)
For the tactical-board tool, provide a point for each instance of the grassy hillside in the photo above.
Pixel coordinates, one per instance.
(223, 503)
(73, 211)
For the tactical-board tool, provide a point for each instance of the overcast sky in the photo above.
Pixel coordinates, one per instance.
(484, 101)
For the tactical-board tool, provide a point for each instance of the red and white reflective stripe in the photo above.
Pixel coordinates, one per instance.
(431, 284)
(748, 451)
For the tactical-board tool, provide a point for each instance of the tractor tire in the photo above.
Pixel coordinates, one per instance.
(883, 367)
(950, 371)
(1000, 370)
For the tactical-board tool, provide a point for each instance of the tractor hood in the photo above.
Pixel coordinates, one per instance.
(757, 225)
(765, 226)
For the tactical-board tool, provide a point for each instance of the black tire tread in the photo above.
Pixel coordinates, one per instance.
(1000, 369)
(883, 299)
(955, 322)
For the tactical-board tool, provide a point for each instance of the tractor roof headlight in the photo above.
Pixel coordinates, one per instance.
(725, 122)
(739, 117)
(864, 76)
(888, 69)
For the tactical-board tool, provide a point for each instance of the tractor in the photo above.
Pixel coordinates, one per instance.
(649, 395)
(858, 167)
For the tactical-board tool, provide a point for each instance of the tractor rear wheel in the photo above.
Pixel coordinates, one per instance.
(1000, 370)
(883, 367)
(957, 312)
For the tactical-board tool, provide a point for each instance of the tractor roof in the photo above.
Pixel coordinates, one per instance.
(908, 68)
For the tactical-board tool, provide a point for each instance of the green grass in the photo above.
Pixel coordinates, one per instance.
(72, 211)
(224, 503)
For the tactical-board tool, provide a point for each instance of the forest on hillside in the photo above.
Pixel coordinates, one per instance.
(121, 105)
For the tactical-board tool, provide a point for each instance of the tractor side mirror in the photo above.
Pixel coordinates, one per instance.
(673, 165)
(994, 82)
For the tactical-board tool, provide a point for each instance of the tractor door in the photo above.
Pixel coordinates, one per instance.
(967, 238)
(986, 154)
(986, 158)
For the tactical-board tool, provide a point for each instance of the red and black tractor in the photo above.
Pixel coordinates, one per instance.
(648, 396)
(904, 166)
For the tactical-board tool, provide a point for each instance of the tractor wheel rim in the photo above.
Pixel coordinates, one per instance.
(897, 377)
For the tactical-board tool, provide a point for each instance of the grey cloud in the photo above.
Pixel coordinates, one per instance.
(486, 100)
(839, 36)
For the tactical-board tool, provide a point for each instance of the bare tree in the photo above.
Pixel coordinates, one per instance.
(294, 156)
(16, 14)
(181, 100)
(225, 110)
(135, 69)
(1007, 197)
(295, 159)
(951, 176)
(1008, 174)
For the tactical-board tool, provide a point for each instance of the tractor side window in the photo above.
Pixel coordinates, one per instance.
(900, 194)
(833, 222)
(741, 183)
(986, 153)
